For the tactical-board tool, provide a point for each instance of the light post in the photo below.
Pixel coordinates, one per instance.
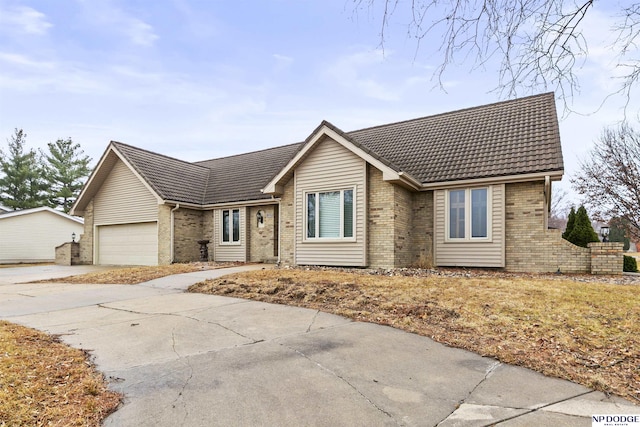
(604, 232)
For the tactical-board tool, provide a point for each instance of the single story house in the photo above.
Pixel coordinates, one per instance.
(31, 235)
(464, 188)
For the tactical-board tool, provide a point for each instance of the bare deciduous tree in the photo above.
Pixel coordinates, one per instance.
(539, 43)
(559, 209)
(609, 179)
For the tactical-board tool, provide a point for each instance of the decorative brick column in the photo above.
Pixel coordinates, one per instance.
(606, 258)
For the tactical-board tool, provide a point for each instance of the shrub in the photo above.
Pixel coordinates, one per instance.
(630, 264)
(582, 233)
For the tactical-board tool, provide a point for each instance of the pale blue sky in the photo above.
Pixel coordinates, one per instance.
(198, 79)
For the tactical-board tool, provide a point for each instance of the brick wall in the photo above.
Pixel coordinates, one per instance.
(261, 238)
(287, 221)
(606, 258)
(422, 229)
(380, 220)
(164, 234)
(68, 254)
(403, 227)
(188, 229)
(530, 246)
(86, 240)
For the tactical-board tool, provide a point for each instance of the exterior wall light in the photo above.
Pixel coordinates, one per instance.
(73, 237)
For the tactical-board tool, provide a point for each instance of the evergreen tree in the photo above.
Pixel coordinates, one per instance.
(617, 232)
(22, 185)
(67, 167)
(571, 220)
(583, 232)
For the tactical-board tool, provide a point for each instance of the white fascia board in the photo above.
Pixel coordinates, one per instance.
(538, 176)
(247, 203)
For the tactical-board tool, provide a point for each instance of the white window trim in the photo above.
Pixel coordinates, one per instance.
(308, 239)
(467, 216)
(231, 242)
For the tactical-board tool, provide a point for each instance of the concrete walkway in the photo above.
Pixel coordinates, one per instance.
(199, 360)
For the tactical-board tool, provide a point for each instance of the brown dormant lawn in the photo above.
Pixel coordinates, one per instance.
(586, 332)
(135, 275)
(44, 382)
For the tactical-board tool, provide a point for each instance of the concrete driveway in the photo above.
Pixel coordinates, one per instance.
(200, 360)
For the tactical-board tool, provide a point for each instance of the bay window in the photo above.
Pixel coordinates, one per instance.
(329, 215)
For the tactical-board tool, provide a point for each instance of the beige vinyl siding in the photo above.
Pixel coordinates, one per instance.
(236, 251)
(471, 254)
(34, 237)
(123, 198)
(331, 167)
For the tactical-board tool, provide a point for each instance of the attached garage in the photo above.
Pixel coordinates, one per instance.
(127, 244)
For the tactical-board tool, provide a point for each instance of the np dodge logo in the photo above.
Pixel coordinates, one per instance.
(615, 420)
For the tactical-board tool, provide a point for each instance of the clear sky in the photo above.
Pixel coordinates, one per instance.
(197, 79)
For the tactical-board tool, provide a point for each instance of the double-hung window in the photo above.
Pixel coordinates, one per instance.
(468, 214)
(231, 226)
(330, 214)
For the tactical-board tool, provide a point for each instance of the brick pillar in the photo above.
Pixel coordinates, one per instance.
(606, 258)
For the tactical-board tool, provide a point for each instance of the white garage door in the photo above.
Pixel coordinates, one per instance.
(128, 244)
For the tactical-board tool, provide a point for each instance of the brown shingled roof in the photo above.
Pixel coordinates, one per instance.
(171, 178)
(506, 138)
(241, 177)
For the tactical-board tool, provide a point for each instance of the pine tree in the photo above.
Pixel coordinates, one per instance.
(571, 220)
(583, 232)
(22, 185)
(618, 232)
(67, 168)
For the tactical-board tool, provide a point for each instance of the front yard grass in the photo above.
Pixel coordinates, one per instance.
(588, 333)
(44, 382)
(135, 275)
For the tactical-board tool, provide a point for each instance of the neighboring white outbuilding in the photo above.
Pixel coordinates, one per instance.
(31, 235)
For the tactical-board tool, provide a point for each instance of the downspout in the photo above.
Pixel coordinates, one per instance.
(279, 231)
(172, 232)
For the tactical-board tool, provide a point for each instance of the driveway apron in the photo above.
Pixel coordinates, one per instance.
(185, 359)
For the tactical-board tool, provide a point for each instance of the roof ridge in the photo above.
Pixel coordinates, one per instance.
(249, 152)
(446, 113)
(157, 154)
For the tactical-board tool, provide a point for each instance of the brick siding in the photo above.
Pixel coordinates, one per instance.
(261, 238)
(287, 221)
(86, 239)
(188, 229)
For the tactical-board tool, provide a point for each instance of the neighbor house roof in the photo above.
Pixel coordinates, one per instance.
(24, 212)
(509, 138)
